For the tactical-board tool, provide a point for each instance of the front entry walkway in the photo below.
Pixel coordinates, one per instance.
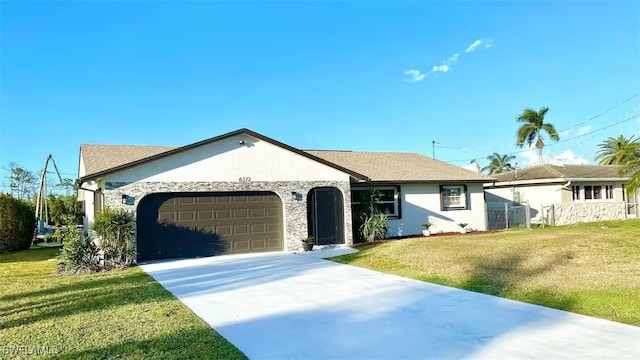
(276, 306)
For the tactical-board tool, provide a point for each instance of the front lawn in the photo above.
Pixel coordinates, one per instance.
(116, 314)
(591, 269)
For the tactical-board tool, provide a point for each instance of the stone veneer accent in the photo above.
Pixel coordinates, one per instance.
(295, 211)
(571, 213)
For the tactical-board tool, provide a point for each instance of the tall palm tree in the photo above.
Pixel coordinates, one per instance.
(498, 163)
(618, 151)
(532, 128)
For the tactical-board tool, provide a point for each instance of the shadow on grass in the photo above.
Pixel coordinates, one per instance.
(85, 295)
(500, 275)
(185, 344)
(32, 254)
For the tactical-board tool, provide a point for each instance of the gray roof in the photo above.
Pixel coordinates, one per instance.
(99, 158)
(376, 166)
(561, 172)
(395, 166)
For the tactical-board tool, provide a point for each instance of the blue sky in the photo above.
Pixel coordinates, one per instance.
(315, 75)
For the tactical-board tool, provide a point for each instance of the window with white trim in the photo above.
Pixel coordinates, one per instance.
(576, 192)
(388, 201)
(608, 192)
(593, 192)
(453, 197)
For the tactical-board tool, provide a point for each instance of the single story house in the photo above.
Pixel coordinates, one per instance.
(565, 194)
(244, 192)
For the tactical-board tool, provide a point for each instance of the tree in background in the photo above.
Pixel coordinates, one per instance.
(498, 164)
(22, 182)
(532, 129)
(618, 151)
(63, 209)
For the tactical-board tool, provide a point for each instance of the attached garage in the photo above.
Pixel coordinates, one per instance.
(181, 225)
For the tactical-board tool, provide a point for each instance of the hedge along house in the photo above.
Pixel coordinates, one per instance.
(243, 192)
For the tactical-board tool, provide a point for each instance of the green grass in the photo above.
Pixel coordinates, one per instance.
(591, 269)
(115, 314)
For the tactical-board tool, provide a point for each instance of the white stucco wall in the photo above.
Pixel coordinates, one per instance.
(420, 202)
(536, 195)
(228, 161)
(87, 198)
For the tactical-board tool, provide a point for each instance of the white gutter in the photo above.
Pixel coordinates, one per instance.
(565, 186)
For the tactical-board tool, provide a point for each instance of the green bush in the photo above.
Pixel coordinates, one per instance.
(375, 227)
(79, 253)
(17, 224)
(114, 229)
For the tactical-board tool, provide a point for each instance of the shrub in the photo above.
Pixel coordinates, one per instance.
(79, 254)
(375, 227)
(114, 229)
(17, 224)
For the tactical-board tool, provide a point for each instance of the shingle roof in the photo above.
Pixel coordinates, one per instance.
(547, 171)
(395, 166)
(377, 166)
(98, 158)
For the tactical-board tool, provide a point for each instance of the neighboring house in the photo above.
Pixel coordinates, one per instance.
(244, 192)
(565, 194)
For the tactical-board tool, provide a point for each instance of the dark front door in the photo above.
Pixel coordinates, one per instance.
(179, 225)
(325, 216)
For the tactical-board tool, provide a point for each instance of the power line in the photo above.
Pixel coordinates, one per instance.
(567, 140)
(493, 148)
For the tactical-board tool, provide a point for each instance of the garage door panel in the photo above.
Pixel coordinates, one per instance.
(258, 228)
(241, 229)
(205, 214)
(208, 224)
(240, 213)
(258, 213)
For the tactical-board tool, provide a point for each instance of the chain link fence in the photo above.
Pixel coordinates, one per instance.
(508, 215)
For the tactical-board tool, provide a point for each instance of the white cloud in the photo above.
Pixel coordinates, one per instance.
(414, 75)
(583, 130)
(479, 44)
(441, 68)
(530, 157)
(471, 167)
(565, 133)
(445, 67)
(567, 157)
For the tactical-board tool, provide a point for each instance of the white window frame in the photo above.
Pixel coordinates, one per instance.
(575, 193)
(609, 192)
(395, 201)
(462, 198)
(591, 193)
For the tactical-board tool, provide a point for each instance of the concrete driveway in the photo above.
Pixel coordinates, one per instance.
(294, 306)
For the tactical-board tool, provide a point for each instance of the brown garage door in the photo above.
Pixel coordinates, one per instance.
(179, 225)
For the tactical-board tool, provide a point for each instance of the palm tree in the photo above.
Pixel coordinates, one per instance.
(618, 151)
(498, 163)
(632, 168)
(532, 128)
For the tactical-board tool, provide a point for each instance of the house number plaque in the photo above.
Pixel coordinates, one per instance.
(244, 179)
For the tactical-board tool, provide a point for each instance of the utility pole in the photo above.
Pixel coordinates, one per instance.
(433, 148)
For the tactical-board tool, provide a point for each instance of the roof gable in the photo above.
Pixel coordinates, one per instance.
(101, 160)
